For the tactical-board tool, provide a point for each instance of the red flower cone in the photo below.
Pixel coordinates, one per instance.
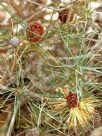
(35, 31)
(72, 100)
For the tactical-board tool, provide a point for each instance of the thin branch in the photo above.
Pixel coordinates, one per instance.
(55, 9)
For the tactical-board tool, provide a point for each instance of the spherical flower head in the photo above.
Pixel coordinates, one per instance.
(14, 41)
(35, 31)
(72, 100)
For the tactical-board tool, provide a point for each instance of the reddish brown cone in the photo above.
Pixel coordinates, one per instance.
(72, 100)
(35, 31)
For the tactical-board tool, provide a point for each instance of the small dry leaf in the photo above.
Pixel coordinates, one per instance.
(97, 15)
(97, 132)
(66, 15)
(33, 132)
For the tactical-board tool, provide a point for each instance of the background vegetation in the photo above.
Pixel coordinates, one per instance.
(36, 76)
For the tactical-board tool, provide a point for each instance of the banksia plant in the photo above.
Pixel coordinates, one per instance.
(80, 112)
(54, 88)
(83, 114)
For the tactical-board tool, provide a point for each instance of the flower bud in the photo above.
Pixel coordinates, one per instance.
(35, 31)
(14, 41)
